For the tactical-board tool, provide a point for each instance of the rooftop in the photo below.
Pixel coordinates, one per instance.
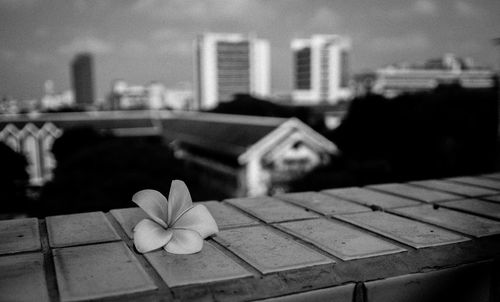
(233, 135)
(103, 120)
(416, 241)
(211, 130)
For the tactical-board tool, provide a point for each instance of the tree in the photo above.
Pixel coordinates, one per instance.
(99, 173)
(75, 140)
(13, 181)
(449, 131)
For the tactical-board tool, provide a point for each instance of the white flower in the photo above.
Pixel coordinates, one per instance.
(175, 224)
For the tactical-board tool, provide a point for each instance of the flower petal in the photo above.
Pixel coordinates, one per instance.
(184, 242)
(198, 219)
(148, 236)
(179, 200)
(154, 204)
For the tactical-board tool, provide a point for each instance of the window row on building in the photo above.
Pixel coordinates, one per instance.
(228, 64)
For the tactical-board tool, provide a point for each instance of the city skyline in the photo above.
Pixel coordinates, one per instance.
(142, 41)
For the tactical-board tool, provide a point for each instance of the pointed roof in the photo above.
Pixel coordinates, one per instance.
(237, 136)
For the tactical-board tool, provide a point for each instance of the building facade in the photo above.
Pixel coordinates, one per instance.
(36, 144)
(228, 64)
(398, 79)
(54, 101)
(10, 105)
(246, 155)
(321, 69)
(152, 96)
(83, 79)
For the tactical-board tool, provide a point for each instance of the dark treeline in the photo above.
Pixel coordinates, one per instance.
(13, 181)
(450, 131)
(244, 104)
(98, 172)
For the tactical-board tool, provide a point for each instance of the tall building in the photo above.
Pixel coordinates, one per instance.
(82, 76)
(321, 69)
(228, 64)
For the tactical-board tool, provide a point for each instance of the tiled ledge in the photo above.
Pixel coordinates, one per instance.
(390, 242)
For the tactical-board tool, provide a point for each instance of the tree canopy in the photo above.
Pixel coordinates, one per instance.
(449, 131)
(13, 180)
(101, 172)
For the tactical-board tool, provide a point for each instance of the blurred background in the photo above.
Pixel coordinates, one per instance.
(100, 99)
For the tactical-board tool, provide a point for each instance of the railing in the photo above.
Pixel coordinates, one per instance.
(434, 240)
(36, 144)
(34, 136)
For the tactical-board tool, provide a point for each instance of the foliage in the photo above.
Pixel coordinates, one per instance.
(101, 172)
(245, 104)
(312, 115)
(450, 131)
(13, 180)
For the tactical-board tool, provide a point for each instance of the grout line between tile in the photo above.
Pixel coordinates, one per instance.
(48, 263)
(163, 291)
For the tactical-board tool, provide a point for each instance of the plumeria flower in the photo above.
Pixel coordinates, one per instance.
(176, 225)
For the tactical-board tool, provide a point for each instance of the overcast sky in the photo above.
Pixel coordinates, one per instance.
(146, 40)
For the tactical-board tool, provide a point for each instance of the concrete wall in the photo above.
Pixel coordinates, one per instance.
(308, 246)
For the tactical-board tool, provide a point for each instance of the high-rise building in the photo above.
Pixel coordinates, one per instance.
(321, 69)
(228, 64)
(83, 84)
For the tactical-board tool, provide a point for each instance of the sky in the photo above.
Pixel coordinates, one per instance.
(141, 41)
